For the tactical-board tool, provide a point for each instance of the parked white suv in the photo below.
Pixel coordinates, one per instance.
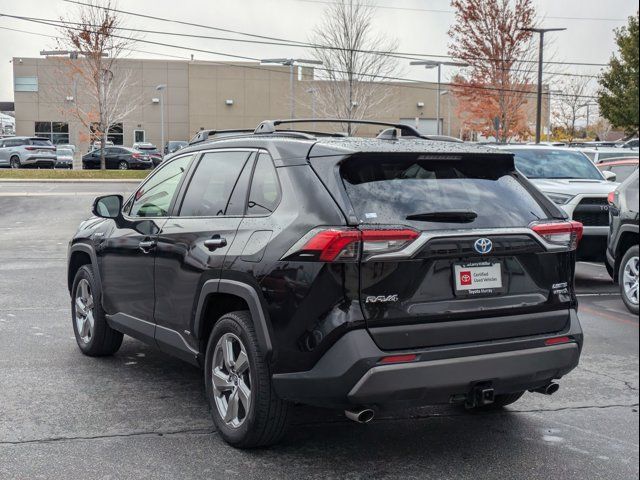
(573, 183)
(18, 152)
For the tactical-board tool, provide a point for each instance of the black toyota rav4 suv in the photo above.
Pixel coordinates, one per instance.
(341, 272)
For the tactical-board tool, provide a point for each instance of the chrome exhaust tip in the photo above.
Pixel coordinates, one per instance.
(360, 416)
(549, 389)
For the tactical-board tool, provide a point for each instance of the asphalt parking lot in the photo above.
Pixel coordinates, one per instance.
(142, 414)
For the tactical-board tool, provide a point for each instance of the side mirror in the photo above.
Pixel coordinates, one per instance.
(609, 176)
(108, 206)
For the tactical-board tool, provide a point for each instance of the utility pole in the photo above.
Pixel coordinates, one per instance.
(541, 32)
(588, 105)
(292, 63)
(549, 127)
(428, 64)
(161, 89)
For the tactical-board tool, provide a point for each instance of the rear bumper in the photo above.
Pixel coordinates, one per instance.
(350, 374)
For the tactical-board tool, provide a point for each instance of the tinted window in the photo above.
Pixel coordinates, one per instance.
(265, 189)
(623, 171)
(14, 143)
(238, 200)
(212, 184)
(386, 191)
(40, 142)
(548, 163)
(154, 198)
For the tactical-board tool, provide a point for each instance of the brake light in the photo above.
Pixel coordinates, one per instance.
(557, 341)
(347, 244)
(611, 198)
(30, 148)
(136, 155)
(567, 233)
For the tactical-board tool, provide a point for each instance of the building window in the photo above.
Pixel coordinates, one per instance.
(26, 84)
(57, 132)
(138, 136)
(116, 134)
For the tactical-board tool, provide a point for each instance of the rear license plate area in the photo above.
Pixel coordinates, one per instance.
(480, 278)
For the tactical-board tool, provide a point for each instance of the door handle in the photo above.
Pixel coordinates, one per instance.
(214, 243)
(147, 245)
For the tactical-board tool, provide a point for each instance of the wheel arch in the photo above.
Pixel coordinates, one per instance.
(627, 239)
(218, 297)
(80, 255)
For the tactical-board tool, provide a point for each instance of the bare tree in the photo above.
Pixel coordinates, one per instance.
(488, 35)
(601, 128)
(102, 88)
(350, 86)
(570, 107)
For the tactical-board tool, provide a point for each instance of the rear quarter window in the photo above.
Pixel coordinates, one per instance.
(386, 191)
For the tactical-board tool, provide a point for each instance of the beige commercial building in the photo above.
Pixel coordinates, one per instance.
(198, 95)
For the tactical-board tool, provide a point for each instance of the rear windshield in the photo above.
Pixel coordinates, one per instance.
(40, 142)
(554, 164)
(387, 190)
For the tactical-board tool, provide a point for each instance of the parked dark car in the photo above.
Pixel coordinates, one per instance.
(622, 167)
(622, 250)
(174, 145)
(121, 158)
(348, 273)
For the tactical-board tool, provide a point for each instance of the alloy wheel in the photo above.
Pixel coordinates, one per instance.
(630, 280)
(15, 162)
(231, 379)
(123, 166)
(84, 318)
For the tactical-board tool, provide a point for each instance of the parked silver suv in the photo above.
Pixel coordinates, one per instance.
(18, 152)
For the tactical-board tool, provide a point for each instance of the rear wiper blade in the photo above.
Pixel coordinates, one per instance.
(451, 216)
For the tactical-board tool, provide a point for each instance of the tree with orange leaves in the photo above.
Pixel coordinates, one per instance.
(487, 35)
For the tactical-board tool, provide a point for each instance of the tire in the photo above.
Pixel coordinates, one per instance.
(499, 401)
(628, 277)
(123, 165)
(100, 339)
(15, 162)
(264, 422)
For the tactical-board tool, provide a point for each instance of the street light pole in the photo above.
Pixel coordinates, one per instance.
(428, 64)
(291, 63)
(541, 32)
(161, 89)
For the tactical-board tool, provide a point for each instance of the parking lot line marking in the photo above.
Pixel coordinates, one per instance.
(599, 313)
(604, 294)
(49, 194)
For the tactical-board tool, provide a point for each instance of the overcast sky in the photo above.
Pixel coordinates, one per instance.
(419, 25)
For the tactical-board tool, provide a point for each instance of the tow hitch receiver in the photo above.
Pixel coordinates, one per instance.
(479, 396)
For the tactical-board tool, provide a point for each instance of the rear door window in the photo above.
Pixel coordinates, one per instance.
(212, 184)
(40, 142)
(473, 193)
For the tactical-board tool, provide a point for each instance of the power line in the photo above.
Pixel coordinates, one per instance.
(241, 57)
(430, 10)
(61, 23)
(310, 45)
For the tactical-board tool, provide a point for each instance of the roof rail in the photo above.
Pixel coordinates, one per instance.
(204, 135)
(269, 126)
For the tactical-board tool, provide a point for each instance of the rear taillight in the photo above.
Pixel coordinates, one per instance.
(348, 244)
(136, 155)
(566, 234)
(30, 148)
(611, 198)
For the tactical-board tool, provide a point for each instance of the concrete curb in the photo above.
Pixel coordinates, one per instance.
(70, 180)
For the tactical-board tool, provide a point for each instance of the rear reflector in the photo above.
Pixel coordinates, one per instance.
(557, 341)
(398, 359)
(347, 244)
(567, 233)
